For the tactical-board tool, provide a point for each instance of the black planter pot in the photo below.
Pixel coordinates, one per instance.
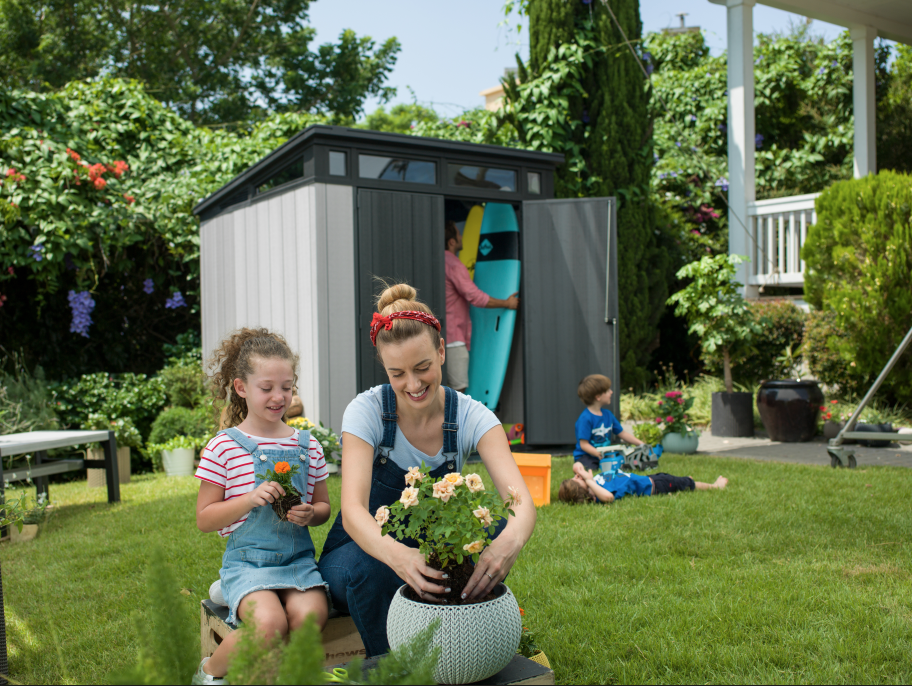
(732, 414)
(789, 409)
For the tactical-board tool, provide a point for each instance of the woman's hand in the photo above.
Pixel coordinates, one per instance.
(410, 566)
(265, 494)
(494, 563)
(302, 514)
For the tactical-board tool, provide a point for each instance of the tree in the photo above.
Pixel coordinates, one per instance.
(715, 310)
(213, 62)
(402, 118)
(584, 94)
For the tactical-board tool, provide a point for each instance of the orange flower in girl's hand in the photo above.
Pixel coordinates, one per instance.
(282, 468)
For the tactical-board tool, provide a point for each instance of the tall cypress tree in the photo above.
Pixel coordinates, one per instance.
(616, 146)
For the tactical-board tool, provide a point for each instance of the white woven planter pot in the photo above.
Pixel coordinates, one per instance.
(476, 641)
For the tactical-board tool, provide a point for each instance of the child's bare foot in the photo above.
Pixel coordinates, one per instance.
(721, 482)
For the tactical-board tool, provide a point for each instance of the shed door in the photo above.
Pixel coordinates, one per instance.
(400, 238)
(569, 308)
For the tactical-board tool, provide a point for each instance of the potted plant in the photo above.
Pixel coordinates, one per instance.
(282, 474)
(127, 436)
(453, 519)
(789, 407)
(648, 432)
(27, 520)
(527, 646)
(176, 456)
(716, 312)
(677, 435)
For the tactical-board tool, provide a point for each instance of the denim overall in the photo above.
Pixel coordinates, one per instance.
(265, 553)
(360, 584)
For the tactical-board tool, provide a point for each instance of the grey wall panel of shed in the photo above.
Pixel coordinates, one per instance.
(287, 264)
(569, 290)
(400, 238)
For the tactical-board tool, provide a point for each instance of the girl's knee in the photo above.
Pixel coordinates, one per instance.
(313, 603)
(271, 625)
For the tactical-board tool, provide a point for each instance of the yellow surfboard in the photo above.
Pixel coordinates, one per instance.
(469, 252)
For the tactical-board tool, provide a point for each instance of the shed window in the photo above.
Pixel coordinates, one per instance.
(482, 177)
(396, 169)
(534, 182)
(293, 171)
(338, 163)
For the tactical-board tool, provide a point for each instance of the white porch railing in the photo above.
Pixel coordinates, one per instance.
(778, 231)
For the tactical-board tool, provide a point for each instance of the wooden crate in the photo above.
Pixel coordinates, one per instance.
(341, 641)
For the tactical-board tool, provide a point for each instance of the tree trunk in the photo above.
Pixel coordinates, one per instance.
(727, 367)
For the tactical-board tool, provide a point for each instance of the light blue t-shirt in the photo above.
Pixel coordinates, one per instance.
(362, 418)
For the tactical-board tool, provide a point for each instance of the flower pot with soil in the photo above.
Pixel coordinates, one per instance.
(127, 436)
(677, 434)
(453, 520)
(789, 409)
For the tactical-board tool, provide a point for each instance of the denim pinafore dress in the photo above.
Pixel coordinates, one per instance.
(265, 553)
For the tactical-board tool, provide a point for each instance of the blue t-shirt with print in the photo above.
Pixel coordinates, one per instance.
(622, 484)
(599, 430)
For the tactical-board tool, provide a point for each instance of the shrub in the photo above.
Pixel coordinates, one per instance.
(859, 268)
(25, 401)
(821, 335)
(179, 421)
(184, 383)
(648, 433)
(125, 431)
(113, 395)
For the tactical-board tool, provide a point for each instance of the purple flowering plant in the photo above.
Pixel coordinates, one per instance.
(176, 300)
(148, 286)
(81, 305)
(673, 409)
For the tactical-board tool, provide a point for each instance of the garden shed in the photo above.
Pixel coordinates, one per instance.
(295, 243)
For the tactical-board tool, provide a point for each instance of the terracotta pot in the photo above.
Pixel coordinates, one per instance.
(789, 409)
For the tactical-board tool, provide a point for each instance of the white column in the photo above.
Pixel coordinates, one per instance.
(863, 100)
(741, 130)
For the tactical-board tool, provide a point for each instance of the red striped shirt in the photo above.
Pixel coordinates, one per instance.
(227, 465)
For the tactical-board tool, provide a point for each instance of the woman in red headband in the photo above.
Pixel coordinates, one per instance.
(386, 431)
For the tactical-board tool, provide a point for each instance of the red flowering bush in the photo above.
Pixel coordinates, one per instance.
(674, 409)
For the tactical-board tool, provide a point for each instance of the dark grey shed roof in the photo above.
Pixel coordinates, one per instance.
(244, 186)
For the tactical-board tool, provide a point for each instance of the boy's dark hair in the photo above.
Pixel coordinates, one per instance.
(573, 492)
(451, 233)
(592, 387)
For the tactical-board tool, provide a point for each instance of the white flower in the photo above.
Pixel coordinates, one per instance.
(474, 482)
(484, 515)
(409, 497)
(413, 476)
(454, 478)
(382, 515)
(443, 490)
(473, 547)
(515, 496)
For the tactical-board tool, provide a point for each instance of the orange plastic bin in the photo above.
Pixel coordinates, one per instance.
(536, 472)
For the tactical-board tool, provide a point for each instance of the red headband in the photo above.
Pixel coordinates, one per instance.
(381, 322)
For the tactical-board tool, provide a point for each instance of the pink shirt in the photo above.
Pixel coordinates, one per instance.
(460, 293)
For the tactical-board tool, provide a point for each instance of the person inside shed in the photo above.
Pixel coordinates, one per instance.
(460, 293)
(389, 429)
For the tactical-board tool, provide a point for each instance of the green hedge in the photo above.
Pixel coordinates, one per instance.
(859, 268)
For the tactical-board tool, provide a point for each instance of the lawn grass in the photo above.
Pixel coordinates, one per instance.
(793, 574)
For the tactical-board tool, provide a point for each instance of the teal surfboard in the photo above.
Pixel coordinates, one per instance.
(497, 274)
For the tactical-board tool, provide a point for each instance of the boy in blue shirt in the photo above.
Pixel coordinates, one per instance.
(584, 487)
(597, 426)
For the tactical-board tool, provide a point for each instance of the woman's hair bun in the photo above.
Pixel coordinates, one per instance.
(390, 294)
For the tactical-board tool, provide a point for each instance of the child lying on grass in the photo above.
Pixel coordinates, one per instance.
(584, 487)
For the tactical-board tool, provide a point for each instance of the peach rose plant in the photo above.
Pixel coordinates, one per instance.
(452, 518)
